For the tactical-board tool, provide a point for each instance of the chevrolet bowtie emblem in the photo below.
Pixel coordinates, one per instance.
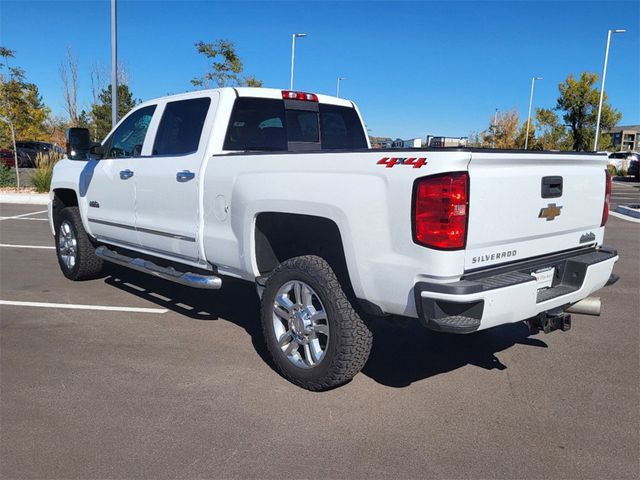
(550, 212)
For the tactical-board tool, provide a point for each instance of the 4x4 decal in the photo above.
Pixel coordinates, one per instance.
(390, 162)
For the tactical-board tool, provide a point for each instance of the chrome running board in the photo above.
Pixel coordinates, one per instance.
(210, 282)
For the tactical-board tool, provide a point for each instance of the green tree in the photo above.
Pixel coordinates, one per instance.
(553, 135)
(522, 133)
(252, 81)
(20, 103)
(504, 133)
(578, 102)
(101, 112)
(226, 66)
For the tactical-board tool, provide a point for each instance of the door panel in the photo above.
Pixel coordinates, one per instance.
(168, 181)
(110, 199)
(108, 185)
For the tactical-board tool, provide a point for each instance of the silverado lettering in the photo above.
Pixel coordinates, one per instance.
(494, 256)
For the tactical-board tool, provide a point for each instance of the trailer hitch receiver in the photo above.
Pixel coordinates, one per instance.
(548, 322)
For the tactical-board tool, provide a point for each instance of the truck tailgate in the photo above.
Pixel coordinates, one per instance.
(524, 205)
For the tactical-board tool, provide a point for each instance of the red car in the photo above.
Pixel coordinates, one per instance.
(6, 157)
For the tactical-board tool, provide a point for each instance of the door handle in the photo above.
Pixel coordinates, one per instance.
(551, 187)
(185, 176)
(124, 174)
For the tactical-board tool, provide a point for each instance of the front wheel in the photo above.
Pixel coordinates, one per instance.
(314, 335)
(76, 254)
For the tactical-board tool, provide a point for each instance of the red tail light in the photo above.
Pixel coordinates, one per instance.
(441, 207)
(607, 198)
(305, 97)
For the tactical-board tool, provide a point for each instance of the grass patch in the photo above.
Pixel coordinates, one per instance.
(7, 176)
(41, 178)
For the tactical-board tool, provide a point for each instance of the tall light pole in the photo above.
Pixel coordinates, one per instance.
(293, 51)
(604, 76)
(338, 85)
(114, 65)
(526, 138)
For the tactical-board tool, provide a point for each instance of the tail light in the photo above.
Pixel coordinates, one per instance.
(441, 208)
(305, 97)
(607, 198)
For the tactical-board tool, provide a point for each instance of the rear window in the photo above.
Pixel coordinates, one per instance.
(341, 128)
(181, 127)
(264, 124)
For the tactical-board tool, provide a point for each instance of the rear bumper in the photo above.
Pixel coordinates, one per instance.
(510, 294)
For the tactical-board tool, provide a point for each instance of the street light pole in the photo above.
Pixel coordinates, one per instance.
(604, 76)
(338, 85)
(526, 138)
(293, 50)
(114, 65)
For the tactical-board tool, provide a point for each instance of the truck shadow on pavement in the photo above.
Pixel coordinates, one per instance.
(403, 352)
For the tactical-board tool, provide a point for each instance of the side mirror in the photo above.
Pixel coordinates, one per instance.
(97, 151)
(78, 143)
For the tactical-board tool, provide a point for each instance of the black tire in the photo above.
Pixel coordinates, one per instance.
(86, 264)
(349, 344)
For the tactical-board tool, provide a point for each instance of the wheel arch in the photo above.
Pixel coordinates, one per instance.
(279, 236)
(62, 198)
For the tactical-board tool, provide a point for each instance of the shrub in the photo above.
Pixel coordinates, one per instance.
(7, 176)
(622, 172)
(43, 173)
(612, 170)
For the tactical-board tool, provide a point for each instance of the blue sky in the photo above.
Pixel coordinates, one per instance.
(414, 68)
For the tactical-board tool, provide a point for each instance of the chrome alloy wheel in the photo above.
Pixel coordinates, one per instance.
(67, 245)
(300, 324)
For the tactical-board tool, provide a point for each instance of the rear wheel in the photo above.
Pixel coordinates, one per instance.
(76, 253)
(314, 335)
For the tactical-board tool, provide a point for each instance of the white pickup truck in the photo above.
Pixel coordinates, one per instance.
(282, 189)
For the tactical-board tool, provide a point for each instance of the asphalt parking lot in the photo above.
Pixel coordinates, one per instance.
(624, 192)
(132, 377)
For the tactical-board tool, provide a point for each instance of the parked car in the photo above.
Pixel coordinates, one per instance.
(281, 188)
(28, 151)
(634, 169)
(623, 160)
(7, 157)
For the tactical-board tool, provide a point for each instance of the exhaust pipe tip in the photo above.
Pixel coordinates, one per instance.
(586, 306)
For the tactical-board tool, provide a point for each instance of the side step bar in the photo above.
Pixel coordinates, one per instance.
(210, 282)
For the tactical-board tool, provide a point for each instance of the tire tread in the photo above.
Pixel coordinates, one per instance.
(353, 335)
(89, 264)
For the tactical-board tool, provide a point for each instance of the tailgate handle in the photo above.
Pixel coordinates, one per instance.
(551, 187)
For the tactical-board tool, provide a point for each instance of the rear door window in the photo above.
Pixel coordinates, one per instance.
(257, 124)
(181, 126)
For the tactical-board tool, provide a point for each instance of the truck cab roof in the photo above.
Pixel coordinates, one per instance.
(255, 92)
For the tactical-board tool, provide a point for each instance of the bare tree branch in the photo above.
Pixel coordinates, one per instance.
(69, 77)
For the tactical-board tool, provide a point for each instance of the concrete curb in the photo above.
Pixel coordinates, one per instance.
(25, 198)
(628, 210)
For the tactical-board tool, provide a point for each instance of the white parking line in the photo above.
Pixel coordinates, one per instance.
(622, 216)
(11, 218)
(23, 215)
(7, 245)
(72, 306)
